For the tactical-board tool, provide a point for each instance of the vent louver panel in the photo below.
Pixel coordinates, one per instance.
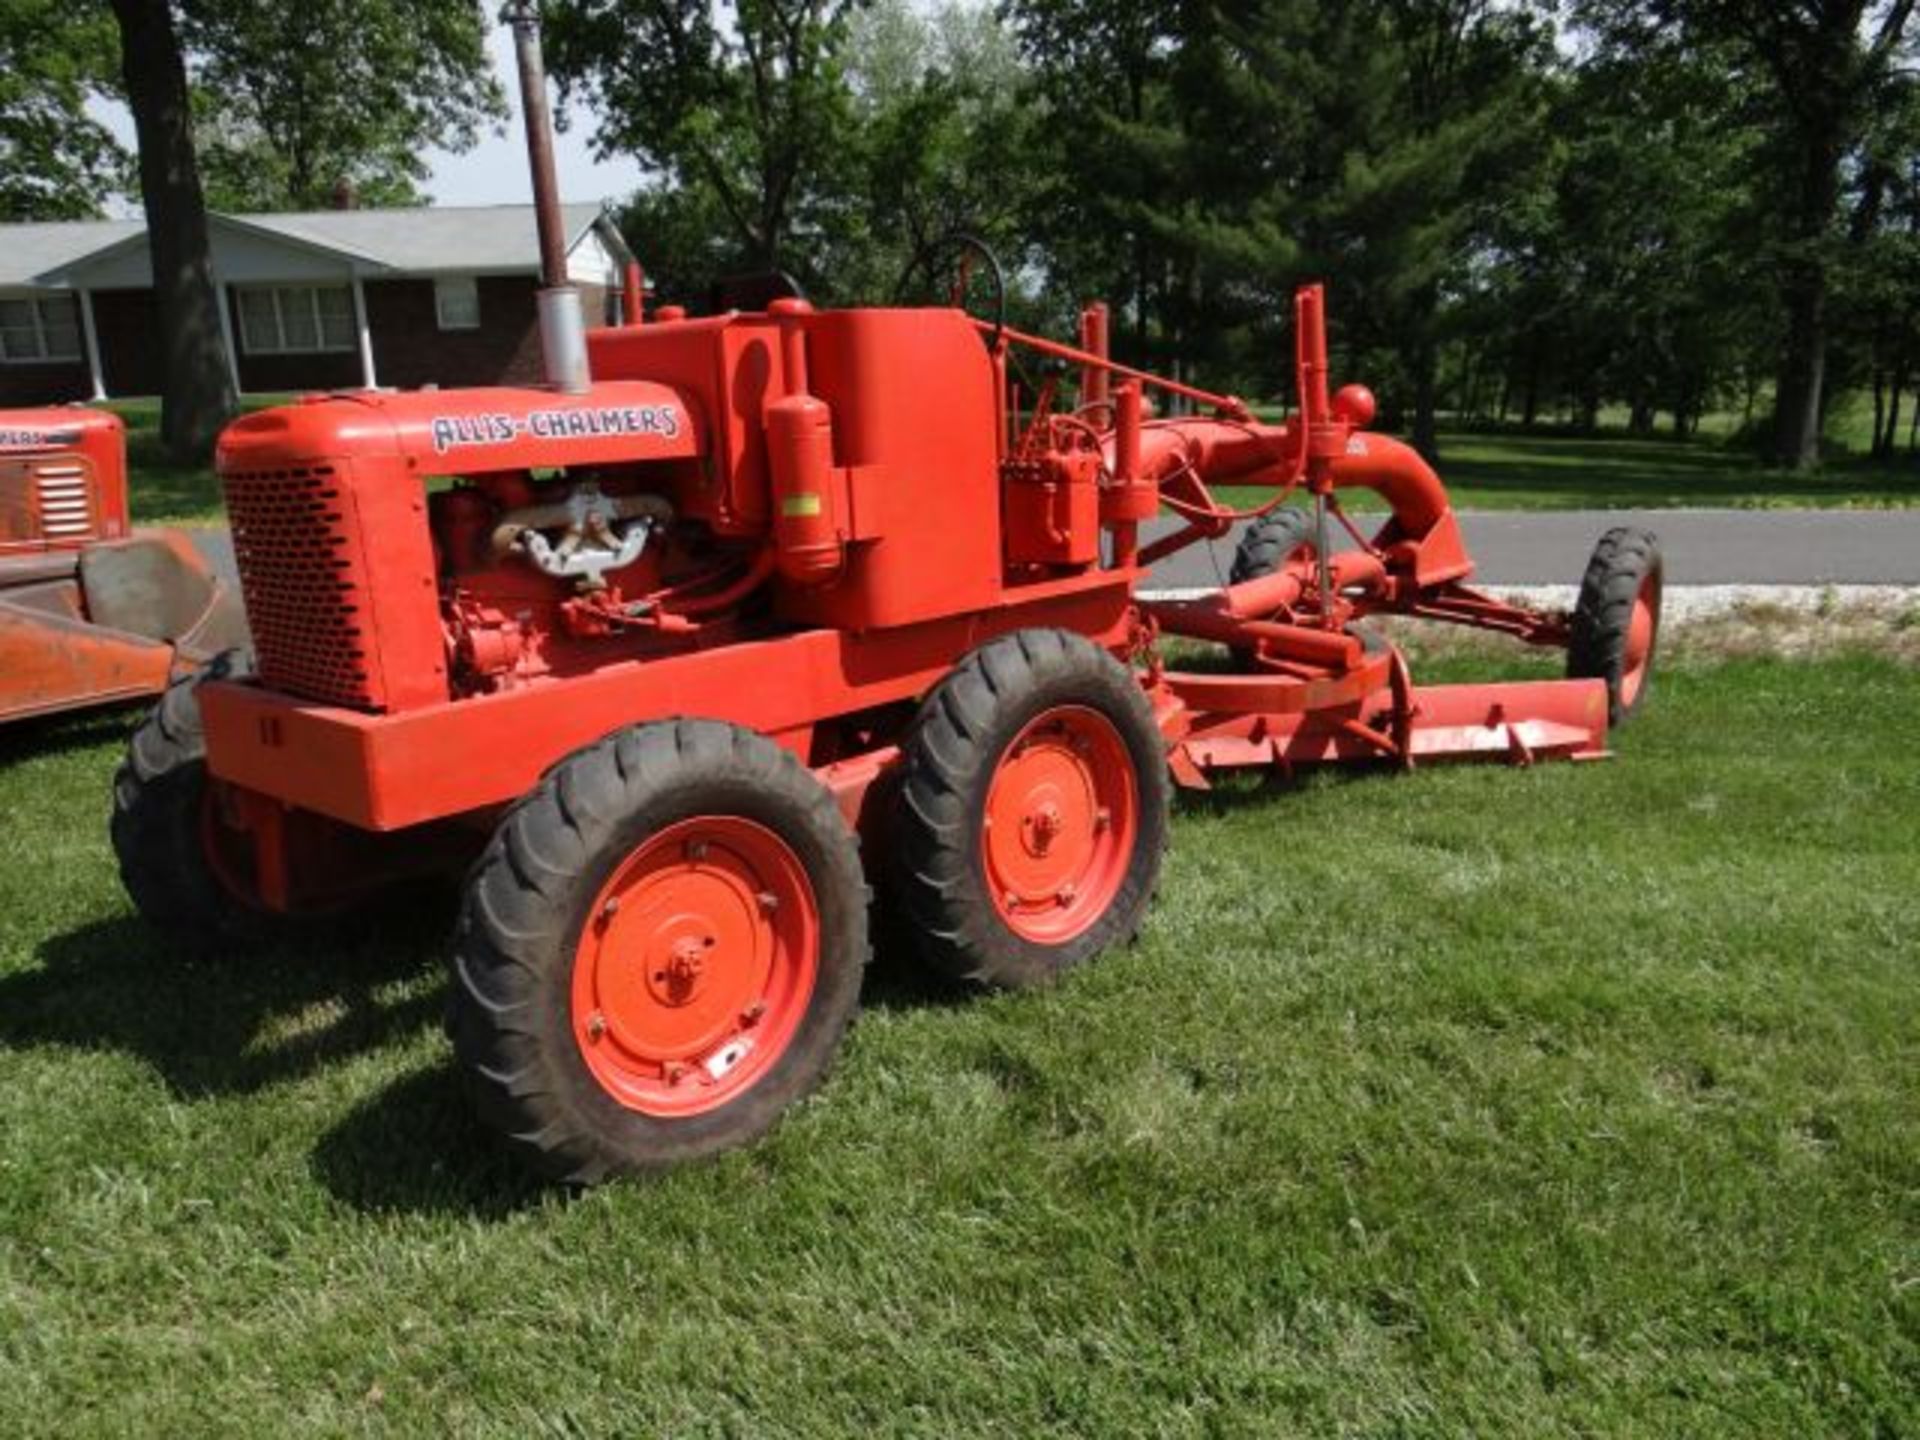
(65, 499)
(303, 572)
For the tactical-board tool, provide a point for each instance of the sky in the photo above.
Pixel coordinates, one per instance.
(494, 172)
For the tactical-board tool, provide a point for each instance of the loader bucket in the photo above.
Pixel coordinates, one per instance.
(111, 623)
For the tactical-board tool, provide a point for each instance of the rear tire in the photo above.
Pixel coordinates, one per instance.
(1033, 811)
(162, 821)
(658, 953)
(1269, 542)
(1616, 622)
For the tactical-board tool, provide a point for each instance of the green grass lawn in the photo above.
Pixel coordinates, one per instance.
(162, 492)
(1514, 471)
(1579, 1100)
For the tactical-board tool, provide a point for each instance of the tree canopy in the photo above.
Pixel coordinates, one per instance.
(1536, 212)
(295, 101)
(1531, 212)
(57, 162)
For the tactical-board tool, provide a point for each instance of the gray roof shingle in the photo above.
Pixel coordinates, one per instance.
(30, 250)
(480, 237)
(427, 239)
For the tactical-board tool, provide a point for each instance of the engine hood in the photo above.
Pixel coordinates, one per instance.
(451, 432)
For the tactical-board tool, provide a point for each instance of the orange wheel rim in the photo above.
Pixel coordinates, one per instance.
(1642, 626)
(1061, 816)
(696, 966)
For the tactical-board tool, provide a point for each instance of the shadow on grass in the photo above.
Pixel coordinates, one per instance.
(898, 978)
(230, 1023)
(1234, 791)
(233, 1023)
(49, 735)
(415, 1148)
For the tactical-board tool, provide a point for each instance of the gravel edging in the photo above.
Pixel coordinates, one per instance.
(1682, 603)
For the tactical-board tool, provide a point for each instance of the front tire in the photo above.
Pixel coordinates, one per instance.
(1616, 622)
(658, 953)
(1033, 811)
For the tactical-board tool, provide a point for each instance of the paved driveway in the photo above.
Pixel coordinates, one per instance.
(1550, 547)
(1701, 547)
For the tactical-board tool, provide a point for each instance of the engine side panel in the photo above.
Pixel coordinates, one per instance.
(911, 394)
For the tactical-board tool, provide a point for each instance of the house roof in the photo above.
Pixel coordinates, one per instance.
(429, 239)
(480, 237)
(28, 251)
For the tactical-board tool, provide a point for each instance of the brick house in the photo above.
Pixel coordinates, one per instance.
(328, 300)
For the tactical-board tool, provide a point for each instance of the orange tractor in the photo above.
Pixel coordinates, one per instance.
(777, 604)
(91, 611)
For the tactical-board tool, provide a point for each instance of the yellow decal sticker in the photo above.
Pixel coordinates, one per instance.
(798, 506)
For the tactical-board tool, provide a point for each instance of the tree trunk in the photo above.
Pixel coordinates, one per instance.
(1799, 396)
(198, 396)
(1530, 391)
(1426, 377)
(1426, 427)
(1885, 439)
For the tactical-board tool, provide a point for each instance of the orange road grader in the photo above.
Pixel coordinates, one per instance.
(742, 614)
(93, 612)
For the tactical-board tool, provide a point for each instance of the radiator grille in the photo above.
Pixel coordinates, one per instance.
(66, 500)
(303, 577)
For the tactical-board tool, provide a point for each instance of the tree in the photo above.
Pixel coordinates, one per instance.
(743, 105)
(1820, 64)
(1105, 71)
(1877, 273)
(1618, 275)
(941, 133)
(293, 101)
(198, 395)
(56, 161)
(1440, 130)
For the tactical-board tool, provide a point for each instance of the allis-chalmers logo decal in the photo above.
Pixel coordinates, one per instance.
(501, 428)
(17, 439)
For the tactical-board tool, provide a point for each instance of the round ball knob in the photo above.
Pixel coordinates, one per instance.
(1355, 405)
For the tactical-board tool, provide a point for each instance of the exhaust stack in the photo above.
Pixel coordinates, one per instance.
(563, 324)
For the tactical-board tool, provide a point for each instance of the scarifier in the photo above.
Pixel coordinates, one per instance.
(93, 612)
(664, 640)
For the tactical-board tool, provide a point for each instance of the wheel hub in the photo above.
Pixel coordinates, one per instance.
(1642, 625)
(693, 975)
(1057, 832)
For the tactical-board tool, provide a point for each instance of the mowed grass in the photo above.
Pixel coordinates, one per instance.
(161, 491)
(1614, 471)
(1579, 1100)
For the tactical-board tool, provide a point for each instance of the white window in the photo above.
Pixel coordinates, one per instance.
(38, 331)
(296, 319)
(456, 302)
